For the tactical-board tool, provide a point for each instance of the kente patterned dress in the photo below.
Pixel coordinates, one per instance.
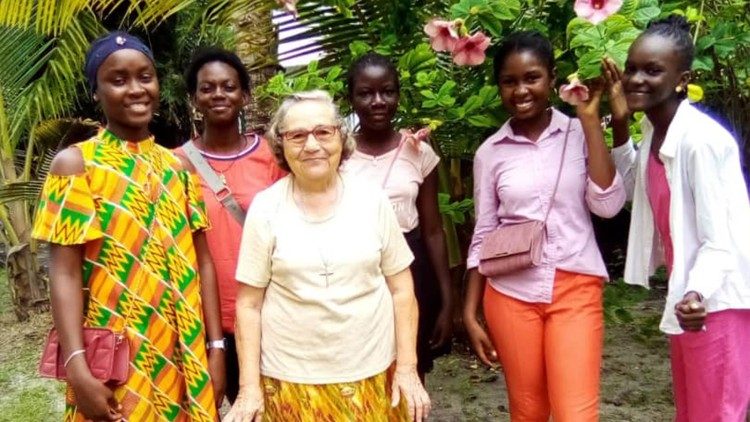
(134, 209)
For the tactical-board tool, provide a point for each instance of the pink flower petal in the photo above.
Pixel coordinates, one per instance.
(469, 51)
(442, 34)
(574, 93)
(595, 11)
(414, 139)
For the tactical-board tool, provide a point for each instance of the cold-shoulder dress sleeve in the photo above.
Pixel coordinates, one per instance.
(66, 213)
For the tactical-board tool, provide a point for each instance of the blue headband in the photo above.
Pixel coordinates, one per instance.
(106, 45)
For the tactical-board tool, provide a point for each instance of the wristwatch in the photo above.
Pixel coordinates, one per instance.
(217, 344)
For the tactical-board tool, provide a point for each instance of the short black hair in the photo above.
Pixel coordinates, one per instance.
(210, 55)
(532, 41)
(370, 59)
(677, 29)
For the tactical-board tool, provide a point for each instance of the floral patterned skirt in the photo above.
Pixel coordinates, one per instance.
(364, 400)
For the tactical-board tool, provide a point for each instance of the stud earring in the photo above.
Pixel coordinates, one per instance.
(678, 89)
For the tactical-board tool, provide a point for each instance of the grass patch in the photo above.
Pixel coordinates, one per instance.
(25, 397)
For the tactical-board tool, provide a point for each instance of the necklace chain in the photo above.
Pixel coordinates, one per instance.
(323, 258)
(231, 163)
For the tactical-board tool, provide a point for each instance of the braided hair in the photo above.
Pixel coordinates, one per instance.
(677, 29)
(367, 60)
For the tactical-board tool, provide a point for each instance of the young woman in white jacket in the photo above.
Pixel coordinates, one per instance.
(690, 212)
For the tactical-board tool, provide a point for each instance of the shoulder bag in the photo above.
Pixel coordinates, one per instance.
(519, 246)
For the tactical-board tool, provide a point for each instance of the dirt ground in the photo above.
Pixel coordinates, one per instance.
(636, 383)
(635, 377)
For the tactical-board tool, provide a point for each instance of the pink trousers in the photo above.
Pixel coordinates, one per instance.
(711, 369)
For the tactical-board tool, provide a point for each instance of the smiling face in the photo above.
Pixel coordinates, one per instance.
(525, 84)
(313, 159)
(374, 97)
(219, 96)
(128, 91)
(652, 73)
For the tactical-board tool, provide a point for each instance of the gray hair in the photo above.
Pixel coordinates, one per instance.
(274, 137)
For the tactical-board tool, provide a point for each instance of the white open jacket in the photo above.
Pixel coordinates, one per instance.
(709, 215)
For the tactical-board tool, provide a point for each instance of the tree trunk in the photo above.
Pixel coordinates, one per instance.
(257, 41)
(27, 283)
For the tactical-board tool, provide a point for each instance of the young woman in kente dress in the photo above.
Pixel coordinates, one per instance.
(125, 221)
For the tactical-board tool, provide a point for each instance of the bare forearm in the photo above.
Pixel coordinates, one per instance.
(435, 243)
(600, 166)
(620, 132)
(474, 291)
(66, 294)
(247, 334)
(209, 289)
(406, 315)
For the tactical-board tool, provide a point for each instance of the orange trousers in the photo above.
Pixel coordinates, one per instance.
(551, 353)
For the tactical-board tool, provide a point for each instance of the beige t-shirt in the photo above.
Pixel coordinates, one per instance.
(409, 171)
(327, 315)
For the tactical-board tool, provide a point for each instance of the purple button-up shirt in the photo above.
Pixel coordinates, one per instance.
(513, 182)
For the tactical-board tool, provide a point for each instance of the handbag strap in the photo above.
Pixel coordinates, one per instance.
(559, 171)
(401, 143)
(221, 191)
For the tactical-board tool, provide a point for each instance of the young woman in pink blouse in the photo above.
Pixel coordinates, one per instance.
(545, 323)
(406, 168)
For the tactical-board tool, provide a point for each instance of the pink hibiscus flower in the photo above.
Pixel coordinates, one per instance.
(443, 34)
(596, 11)
(469, 51)
(414, 139)
(574, 93)
(289, 5)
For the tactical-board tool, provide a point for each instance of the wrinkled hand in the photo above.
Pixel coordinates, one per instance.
(94, 399)
(690, 312)
(589, 109)
(480, 342)
(406, 383)
(443, 332)
(248, 407)
(613, 81)
(217, 370)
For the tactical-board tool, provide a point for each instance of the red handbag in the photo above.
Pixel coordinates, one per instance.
(107, 355)
(514, 247)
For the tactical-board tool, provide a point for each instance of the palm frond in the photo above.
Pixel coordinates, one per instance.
(24, 54)
(21, 191)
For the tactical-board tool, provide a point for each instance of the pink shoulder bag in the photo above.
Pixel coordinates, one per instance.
(515, 247)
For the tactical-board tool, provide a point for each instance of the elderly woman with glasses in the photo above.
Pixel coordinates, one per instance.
(326, 313)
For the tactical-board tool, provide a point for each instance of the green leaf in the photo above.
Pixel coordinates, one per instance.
(576, 25)
(644, 15)
(472, 103)
(629, 7)
(506, 10)
(482, 120)
(446, 89)
(359, 48)
(428, 94)
(589, 64)
(312, 67)
(466, 8)
(492, 24)
(589, 38)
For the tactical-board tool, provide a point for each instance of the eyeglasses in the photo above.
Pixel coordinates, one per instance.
(322, 133)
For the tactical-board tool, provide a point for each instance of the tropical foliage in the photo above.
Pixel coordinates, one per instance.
(460, 103)
(43, 46)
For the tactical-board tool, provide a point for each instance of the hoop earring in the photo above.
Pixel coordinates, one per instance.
(242, 121)
(195, 116)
